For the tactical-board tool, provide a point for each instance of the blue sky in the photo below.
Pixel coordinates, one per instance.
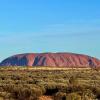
(49, 26)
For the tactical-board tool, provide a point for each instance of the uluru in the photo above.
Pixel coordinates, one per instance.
(52, 60)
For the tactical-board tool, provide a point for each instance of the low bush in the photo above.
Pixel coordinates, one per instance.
(60, 96)
(26, 94)
(73, 96)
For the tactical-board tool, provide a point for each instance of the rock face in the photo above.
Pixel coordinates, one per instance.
(52, 60)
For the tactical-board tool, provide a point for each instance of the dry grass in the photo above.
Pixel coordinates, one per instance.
(24, 83)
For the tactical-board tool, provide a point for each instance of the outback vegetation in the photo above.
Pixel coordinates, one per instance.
(49, 83)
